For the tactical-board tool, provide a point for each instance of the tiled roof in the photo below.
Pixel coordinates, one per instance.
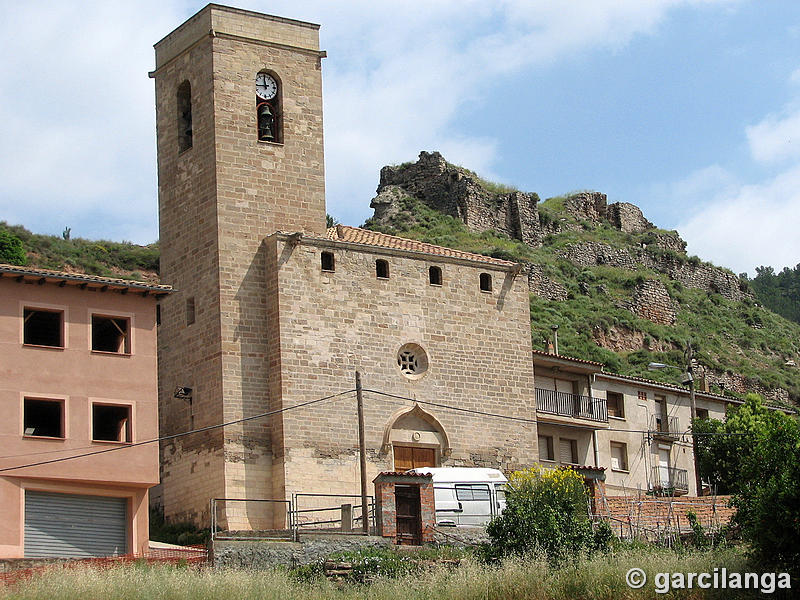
(355, 235)
(569, 358)
(50, 276)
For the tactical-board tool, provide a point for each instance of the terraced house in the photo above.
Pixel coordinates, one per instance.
(78, 391)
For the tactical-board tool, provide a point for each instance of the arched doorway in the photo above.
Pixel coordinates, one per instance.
(415, 438)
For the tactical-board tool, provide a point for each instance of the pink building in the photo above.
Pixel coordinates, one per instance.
(77, 376)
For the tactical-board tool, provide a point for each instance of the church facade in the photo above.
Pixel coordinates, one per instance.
(272, 310)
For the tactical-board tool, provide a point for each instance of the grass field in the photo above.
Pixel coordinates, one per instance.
(599, 578)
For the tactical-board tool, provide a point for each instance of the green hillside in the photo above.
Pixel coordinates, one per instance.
(741, 337)
(95, 257)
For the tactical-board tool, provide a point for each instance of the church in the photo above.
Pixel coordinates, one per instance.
(272, 312)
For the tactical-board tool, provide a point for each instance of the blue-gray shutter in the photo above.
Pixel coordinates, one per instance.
(67, 525)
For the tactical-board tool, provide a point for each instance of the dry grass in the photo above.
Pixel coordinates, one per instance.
(599, 578)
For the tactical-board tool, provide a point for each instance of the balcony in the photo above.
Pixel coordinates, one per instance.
(668, 480)
(571, 405)
(666, 428)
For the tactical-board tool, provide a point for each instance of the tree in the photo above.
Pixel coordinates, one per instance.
(11, 249)
(755, 455)
(768, 499)
(546, 511)
(721, 446)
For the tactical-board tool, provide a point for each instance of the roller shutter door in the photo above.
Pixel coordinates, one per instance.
(74, 526)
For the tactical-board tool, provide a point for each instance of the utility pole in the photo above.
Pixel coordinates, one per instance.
(693, 405)
(362, 455)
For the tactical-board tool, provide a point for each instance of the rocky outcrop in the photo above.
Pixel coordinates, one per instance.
(622, 339)
(457, 192)
(628, 218)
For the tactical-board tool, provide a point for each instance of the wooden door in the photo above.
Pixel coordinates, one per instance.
(409, 514)
(411, 457)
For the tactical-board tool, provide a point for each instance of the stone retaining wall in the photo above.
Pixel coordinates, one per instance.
(261, 554)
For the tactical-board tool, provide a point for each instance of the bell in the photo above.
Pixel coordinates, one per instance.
(265, 121)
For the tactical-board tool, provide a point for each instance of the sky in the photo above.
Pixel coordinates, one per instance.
(689, 109)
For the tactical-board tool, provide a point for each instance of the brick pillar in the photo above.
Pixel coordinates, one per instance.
(427, 511)
(385, 509)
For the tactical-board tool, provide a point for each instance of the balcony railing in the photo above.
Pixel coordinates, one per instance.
(670, 479)
(665, 427)
(571, 405)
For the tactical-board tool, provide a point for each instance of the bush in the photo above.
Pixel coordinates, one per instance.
(11, 249)
(546, 511)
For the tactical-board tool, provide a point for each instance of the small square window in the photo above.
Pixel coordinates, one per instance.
(619, 456)
(616, 404)
(111, 423)
(435, 275)
(328, 262)
(111, 334)
(43, 418)
(486, 282)
(642, 395)
(381, 269)
(43, 327)
(546, 448)
(702, 413)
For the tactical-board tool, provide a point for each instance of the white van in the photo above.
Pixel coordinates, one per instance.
(466, 496)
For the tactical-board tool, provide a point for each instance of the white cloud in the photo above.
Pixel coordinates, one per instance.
(777, 137)
(78, 108)
(750, 226)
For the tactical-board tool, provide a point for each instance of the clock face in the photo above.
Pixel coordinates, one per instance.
(266, 86)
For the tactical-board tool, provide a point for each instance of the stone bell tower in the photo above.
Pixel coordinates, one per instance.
(240, 156)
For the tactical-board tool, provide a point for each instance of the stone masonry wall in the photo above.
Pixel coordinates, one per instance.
(478, 346)
(189, 354)
(244, 554)
(218, 203)
(652, 301)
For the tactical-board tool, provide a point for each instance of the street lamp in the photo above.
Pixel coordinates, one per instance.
(688, 379)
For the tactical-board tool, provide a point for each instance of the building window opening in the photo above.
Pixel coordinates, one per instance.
(43, 328)
(619, 456)
(616, 404)
(328, 262)
(486, 282)
(412, 360)
(569, 451)
(435, 275)
(268, 108)
(381, 269)
(546, 448)
(158, 314)
(190, 311)
(43, 418)
(111, 334)
(702, 413)
(111, 423)
(184, 116)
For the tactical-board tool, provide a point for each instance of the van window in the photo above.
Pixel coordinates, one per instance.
(472, 491)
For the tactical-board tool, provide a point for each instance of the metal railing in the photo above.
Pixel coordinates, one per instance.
(571, 405)
(670, 478)
(245, 518)
(330, 513)
(665, 427)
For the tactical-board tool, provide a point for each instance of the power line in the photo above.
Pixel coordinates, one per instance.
(532, 421)
(178, 435)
